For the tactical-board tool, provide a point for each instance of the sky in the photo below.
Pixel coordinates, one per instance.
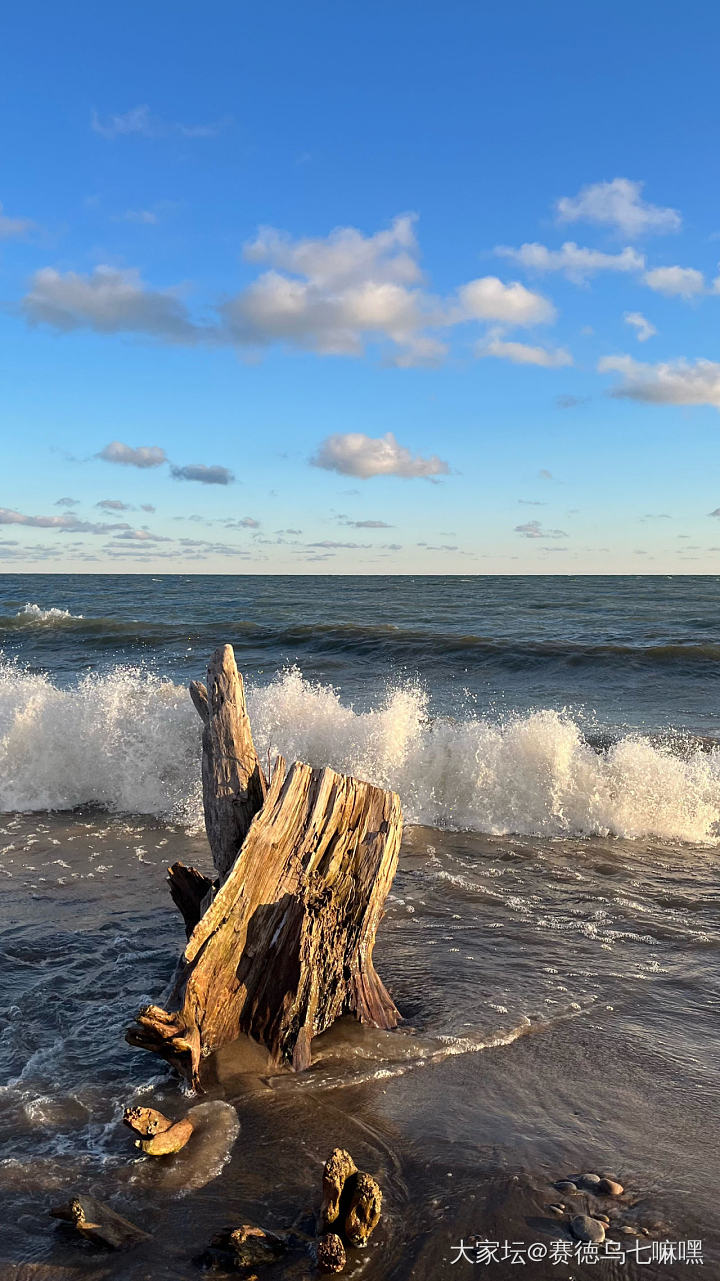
(329, 288)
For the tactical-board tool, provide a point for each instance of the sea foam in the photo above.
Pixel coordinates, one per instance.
(130, 741)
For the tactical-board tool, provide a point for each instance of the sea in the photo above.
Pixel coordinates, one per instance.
(551, 938)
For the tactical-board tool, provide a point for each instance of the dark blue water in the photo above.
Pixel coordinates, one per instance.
(627, 652)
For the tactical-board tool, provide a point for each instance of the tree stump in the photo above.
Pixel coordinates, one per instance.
(285, 946)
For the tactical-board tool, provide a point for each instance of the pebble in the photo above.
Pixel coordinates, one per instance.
(608, 1187)
(587, 1229)
(557, 1209)
(566, 1186)
(590, 1181)
(629, 1232)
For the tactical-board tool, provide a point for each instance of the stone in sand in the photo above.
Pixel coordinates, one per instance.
(590, 1181)
(331, 1256)
(337, 1170)
(363, 1215)
(586, 1228)
(557, 1209)
(244, 1247)
(608, 1187)
(146, 1121)
(564, 1185)
(168, 1141)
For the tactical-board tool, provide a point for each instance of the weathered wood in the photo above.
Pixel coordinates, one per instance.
(234, 785)
(188, 889)
(285, 946)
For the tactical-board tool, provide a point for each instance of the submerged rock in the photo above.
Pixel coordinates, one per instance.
(586, 1228)
(168, 1141)
(363, 1215)
(98, 1223)
(331, 1256)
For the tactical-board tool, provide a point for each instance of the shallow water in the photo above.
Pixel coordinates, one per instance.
(559, 999)
(551, 937)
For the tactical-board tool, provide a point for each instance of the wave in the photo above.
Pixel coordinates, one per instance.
(397, 644)
(130, 741)
(31, 613)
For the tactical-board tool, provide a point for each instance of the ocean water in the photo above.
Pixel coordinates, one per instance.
(551, 937)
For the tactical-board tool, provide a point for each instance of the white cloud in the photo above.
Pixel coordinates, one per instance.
(355, 454)
(205, 475)
(142, 536)
(142, 456)
(521, 353)
(533, 529)
(109, 301)
(679, 382)
(113, 505)
(141, 122)
(489, 299)
(675, 282)
(642, 326)
(345, 257)
(63, 524)
(13, 227)
(573, 261)
(618, 204)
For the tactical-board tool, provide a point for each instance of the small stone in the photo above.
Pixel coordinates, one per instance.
(331, 1255)
(565, 1185)
(645, 1232)
(557, 1209)
(602, 1218)
(587, 1229)
(629, 1232)
(590, 1181)
(608, 1187)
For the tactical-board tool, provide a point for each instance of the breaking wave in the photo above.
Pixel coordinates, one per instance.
(130, 741)
(31, 613)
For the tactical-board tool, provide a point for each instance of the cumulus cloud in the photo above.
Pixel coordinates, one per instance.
(140, 121)
(355, 454)
(675, 282)
(489, 299)
(67, 502)
(679, 382)
(533, 529)
(644, 329)
(108, 301)
(618, 204)
(335, 294)
(113, 505)
(13, 228)
(141, 456)
(205, 475)
(521, 353)
(576, 263)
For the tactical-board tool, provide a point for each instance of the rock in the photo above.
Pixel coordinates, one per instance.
(602, 1218)
(243, 1248)
(629, 1232)
(146, 1121)
(331, 1256)
(363, 1215)
(99, 1223)
(168, 1141)
(564, 1185)
(587, 1229)
(608, 1187)
(337, 1170)
(590, 1181)
(557, 1209)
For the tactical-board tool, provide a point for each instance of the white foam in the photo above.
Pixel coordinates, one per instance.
(131, 741)
(36, 614)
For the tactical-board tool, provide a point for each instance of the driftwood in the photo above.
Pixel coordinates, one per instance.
(285, 945)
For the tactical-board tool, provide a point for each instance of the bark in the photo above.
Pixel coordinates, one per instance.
(285, 947)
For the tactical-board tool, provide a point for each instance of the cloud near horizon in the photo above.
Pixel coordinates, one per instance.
(355, 454)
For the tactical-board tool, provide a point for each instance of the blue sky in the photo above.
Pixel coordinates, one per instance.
(380, 289)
